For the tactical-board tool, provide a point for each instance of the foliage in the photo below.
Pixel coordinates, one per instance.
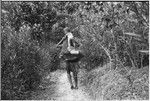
(110, 31)
(103, 83)
(113, 33)
(24, 61)
(20, 65)
(40, 16)
(109, 24)
(50, 58)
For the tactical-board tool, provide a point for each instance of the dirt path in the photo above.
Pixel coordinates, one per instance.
(66, 93)
(60, 89)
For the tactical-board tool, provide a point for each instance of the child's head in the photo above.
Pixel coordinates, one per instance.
(66, 30)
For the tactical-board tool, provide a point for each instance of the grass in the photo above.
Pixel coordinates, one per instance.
(107, 84)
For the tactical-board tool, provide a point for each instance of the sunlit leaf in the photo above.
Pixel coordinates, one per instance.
(144, 51)
(132, 34)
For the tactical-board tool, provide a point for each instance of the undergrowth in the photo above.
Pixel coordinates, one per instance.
(109, 84)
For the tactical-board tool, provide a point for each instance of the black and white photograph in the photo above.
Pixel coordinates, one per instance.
(74, 50)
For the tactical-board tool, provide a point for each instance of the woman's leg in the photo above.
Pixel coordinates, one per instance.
(75, 74)
(69, 74)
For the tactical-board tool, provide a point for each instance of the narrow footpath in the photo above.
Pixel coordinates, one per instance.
(60, 89)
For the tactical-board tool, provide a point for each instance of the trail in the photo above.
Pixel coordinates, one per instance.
(60, 90)
(66, 93)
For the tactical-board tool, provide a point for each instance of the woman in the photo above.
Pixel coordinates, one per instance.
(68, 43)
(71, 55)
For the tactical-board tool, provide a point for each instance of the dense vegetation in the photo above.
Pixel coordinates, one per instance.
(114, 35)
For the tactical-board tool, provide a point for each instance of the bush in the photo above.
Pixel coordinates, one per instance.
(106, 84)
(50, 57)
(20, 64)
(94, 56)
(91, 80)
(20, 71)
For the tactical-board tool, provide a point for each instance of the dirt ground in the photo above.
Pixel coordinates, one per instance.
(58, 89)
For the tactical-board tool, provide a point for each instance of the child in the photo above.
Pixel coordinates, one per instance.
(69, 50)
(68, 43)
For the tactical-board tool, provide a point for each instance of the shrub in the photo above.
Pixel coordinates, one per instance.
(94, 56)
(50, 57)
(104, 83)
(20, 64)
(20, 71)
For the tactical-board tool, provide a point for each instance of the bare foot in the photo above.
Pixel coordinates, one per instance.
(72, 87)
